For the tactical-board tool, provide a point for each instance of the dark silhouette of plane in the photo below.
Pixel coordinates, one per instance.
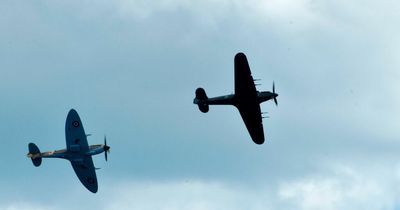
(246, 99)
(78, 152)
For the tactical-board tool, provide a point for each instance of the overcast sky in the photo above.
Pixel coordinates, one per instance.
(130, 69)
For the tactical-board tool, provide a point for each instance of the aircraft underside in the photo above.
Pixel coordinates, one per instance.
(246, 99)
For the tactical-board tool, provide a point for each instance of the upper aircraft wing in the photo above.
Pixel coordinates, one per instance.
(246, 96)
(251, 115)
(244, 83)
(75, 134)
(86, 173)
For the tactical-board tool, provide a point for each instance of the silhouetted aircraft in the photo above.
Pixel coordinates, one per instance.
(78, 152)
(246, 99)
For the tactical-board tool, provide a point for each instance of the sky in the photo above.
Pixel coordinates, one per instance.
(130, 69)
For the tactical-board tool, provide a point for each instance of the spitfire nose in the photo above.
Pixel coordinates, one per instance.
(106, 148)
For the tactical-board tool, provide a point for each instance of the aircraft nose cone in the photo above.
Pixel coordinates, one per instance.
(106, 148)
(274, 97)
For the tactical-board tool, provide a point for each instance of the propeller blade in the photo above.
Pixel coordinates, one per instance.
(105, 153)
(273, 91)
(273, 87)
(106, 148)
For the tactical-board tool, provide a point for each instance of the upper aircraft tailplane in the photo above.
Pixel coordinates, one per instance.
(201, 100)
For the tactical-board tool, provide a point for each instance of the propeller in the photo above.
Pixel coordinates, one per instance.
(275, 95)
(106, 148)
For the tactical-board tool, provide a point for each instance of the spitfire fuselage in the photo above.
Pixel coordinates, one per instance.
(69, 155)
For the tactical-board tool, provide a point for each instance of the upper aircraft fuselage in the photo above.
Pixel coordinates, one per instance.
(265, 96)
(237, 100)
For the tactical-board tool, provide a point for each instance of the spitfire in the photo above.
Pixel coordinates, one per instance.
(78, 152)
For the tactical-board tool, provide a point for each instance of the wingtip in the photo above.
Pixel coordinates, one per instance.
(72, 111)
(259, 142)
(92, 189)
(240, 55)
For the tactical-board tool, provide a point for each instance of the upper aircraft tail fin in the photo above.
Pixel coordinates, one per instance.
(34, 154)
(201, 100)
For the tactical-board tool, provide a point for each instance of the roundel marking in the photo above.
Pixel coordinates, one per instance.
(75, 124)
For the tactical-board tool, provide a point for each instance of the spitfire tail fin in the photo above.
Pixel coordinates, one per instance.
(201, 100)
(34, 154)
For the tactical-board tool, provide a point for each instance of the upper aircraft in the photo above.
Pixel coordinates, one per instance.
(246, 99)
(78, 152)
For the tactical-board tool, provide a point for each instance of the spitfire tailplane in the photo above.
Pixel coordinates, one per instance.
(34, 154)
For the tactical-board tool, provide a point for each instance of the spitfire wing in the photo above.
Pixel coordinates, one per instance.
(75, 134)
(251, 116)
(244, 83)
(86, 173)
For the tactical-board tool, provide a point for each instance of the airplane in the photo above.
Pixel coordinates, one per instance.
(246, 99)
(78, 152)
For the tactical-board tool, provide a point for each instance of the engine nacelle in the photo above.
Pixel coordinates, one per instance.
(201, 100)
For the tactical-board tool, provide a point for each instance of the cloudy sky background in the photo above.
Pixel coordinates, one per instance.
(130, 69)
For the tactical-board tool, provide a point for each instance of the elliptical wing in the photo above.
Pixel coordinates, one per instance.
(75, 134)
(86, 172)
